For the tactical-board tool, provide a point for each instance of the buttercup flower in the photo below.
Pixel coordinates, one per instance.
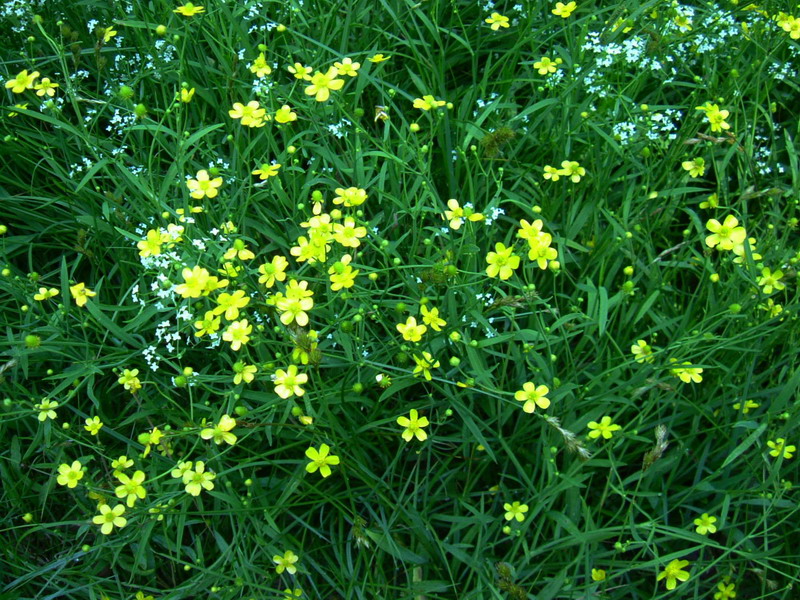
(350, 197)
(605, 428)
(288, 382)
(725, 591)
(674, 572)
(198, 479)
(533, 396)
(428, 103)
(110, 518)
(413, 426)
(598, 575)
(502, 262)
(260, 66)
(131, 487)
(252, 115)
(93, 425)
(46, 87)
(705, 524)
(323, 83)
(130, 380)
(564, 10)
(545, 66)
(203, 186)
(347, 67)
(273, 271)
(770, 281)
(300, 72)
(187, 95)
(45, 294)
(725, 235)
(286, 562)
(243, 373)
(696, 166)
(516, 511)
(430, 316)
(285, 114)
(456, 214)
(189, 10)
(320, 459)
(685, 372)
(779, 447)
(410, 330)
(23, 81)
(572, 169)
(496, 20)
(378, 58)
(80, 293)
(46, 409)
(237, 334)
(70, 475)
(642, 352)
(425, 363)
(221, 432)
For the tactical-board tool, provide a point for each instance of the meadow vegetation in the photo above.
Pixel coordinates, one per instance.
(399, 299)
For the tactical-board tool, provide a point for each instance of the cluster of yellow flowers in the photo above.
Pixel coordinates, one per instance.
(503, 262)
(569, 168)
(27, 81)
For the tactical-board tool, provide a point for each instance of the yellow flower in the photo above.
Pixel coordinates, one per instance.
(726, 591)
(197, 480)
(131, 488)
(545, 66)
(551, 173)
(425, 363)
(696, 166)
(285, 115)
(456, 214)
(725, 235)
(686, 374)
(81, 293)
(93, 425)
(533, 396)
(267, 170)
(770, 281)
(428, 103)
(237, 334)
(749, 404)
(515, 510)
(243, 372)
(320, 459)
(322, 83)
(410, 330)
(430, 316)
(286, 562)
(564, 10)
(110, 518)
(229, 304)
(342, 275)
(705, 524)
(300, 71)
(194, 282)
(107, 33)
(273, 271)
(260, 66)
(120, 464)
(502, 262)
(347, 67)
(208, 325)
(288, 382)
(496, 20)
(378, 58)
(151, 244)
(45, 294)
(350, 197)
(46, 87)
(347, 234)
(238, 250)
(203, 186)
(130, 380)
(642, 352)
(46, 410)
(69, 475)
(252, 115)
(779, 447)
(221, 432)
(413, 426)
(605, 428)
(23, 81)
(572, 169)
(187, 95)
(189, 10)
(674, 571)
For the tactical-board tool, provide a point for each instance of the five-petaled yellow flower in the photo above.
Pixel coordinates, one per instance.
(189, 10)
(285, 114)
(564, 10)
(516, 511)
(110, 518)
(23, 81)
(321, 459)
(221, 432)
(674, 572)
(69, 475)
(428, 103)
(642, 352)
(323, 83)
(80, 293)
(288, 382)
(378, 58)
(46, 87)
(285, 562)
(779, 447)
(413, 426)
(533, 396)
(502, 262)
(410, 330)
(605, 428)
(131, 488)
(496, 20)
(203, 186)
(347, 67)
(45, 294)
(725, 235)
(93, 425)
(704, 524)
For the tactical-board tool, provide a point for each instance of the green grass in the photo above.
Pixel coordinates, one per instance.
(87, 173)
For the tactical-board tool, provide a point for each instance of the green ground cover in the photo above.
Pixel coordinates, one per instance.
(395, 299)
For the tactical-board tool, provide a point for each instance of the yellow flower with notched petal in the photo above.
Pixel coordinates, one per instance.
(45, 294)
(23, 81)
(300, 71)
(321, 459)
(221, 432)
(80, 293)
(323, 83)
(203, 186)
(496, 20)
(260, 66)
(533, 396)
(413, 426)
(410, 330)
(347, 67)
(110, 518)
(725, 235)
(267, 170)
(70, 475)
